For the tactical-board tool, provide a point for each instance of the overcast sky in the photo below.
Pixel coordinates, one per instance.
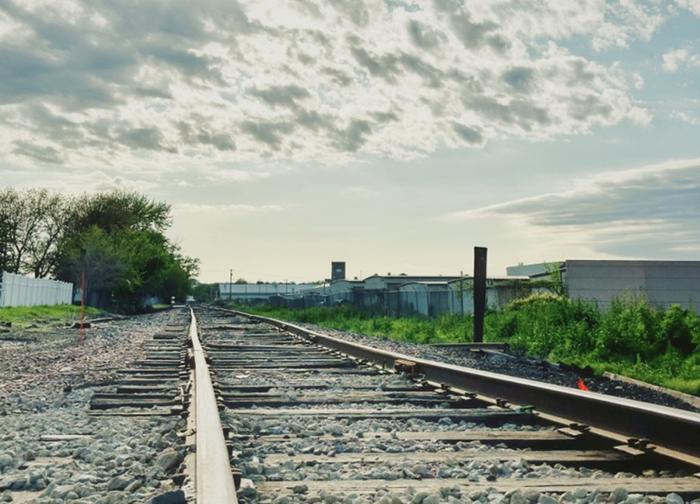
(394, 134)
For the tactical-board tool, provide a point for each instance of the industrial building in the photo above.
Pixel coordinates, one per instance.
(432, 299)
(247, 292)
(661, 283)
(399, 295)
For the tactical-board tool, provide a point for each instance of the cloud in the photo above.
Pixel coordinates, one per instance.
(223, 209)
(655, 206)
(675, 59)
(693, 120)
(469, 135)
(691, 5)
(286, 96)
(241, 81)
(42, 153)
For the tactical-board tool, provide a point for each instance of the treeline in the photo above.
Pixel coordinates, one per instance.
(114, 239)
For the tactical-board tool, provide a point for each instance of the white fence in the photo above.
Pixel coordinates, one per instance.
(18, 290)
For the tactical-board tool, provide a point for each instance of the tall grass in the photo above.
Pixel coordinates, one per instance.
(632, 338)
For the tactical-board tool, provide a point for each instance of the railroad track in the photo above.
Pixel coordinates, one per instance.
(289, 415)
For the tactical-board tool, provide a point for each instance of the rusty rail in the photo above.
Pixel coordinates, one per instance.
(213, 478)
(641, 426)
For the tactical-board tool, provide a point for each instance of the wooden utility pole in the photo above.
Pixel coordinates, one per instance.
(230, 284)
(479, 293)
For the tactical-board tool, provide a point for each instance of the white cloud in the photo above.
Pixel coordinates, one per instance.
(691, 5)
(127, 83)
(675, 59)
(684, 116)
(223, 209)
(630, 212)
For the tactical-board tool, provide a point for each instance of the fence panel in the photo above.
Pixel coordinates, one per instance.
(18, 290)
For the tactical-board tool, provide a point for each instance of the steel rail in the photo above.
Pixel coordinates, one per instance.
(667, 431)
(213, 477)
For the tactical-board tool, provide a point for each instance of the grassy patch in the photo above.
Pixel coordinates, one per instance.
(631, 339)
(22, 316)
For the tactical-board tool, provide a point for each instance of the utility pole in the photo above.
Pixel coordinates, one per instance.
(479, 293)
(230, 284)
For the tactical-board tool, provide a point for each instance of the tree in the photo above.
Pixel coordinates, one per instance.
(129, 229)
(31, 226)
(118, 210)
(95, 256)
(116, 239)
(55, 216)
(203, 292)
(556, 279)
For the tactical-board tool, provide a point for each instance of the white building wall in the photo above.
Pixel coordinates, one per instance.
(662, 283)
(18, 290)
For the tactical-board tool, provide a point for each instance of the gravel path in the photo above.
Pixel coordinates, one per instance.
(499, 362)
(52, 450)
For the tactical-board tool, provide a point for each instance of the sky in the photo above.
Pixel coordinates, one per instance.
(394, 135)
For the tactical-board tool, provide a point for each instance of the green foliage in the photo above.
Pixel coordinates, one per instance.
(204, 293)
(114, 239)
(119, 210)
(22, 315)
(632, 338)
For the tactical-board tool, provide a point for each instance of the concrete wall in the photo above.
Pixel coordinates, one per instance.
(663, 283)
(18, 290)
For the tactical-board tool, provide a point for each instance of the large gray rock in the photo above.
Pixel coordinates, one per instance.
(175, 497)
(619, 495)
(169, 459)
(6, 460)
(118, 483)
(674, 498)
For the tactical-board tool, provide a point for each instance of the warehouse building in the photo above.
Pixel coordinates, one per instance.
(381, 292)
(432, 299)
(246, 292)
(661, 283)
(345, 292)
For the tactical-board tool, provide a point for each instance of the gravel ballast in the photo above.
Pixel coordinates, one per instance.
(52, 449)
(506, 363)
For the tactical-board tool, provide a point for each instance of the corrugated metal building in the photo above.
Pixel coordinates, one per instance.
(345, 292)
(381, 292)
(432, 299)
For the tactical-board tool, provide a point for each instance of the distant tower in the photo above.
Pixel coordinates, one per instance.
(337, 270)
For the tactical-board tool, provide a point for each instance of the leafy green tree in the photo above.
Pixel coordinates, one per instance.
(119, 210)
(203, 292)
(32, 224)
(127, 229)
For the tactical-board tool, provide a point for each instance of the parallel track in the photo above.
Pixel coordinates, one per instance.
(316, 418)
(273, 377)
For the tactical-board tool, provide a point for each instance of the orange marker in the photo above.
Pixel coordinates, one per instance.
(580, 384)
